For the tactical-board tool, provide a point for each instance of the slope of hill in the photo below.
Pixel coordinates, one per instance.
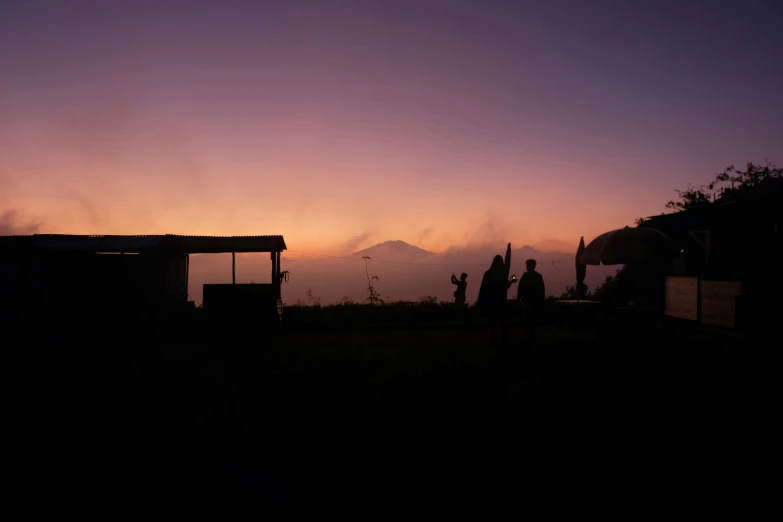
(529, 252)
(518, 256)
(394, 251)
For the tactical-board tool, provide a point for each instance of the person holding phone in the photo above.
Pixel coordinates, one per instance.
(459, 293)
(493, 296)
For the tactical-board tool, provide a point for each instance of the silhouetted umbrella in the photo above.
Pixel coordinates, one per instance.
(581, 271)
(627, 245)
(581, 268)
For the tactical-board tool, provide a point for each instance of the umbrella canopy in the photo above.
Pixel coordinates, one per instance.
(581, 269)
(626, 245)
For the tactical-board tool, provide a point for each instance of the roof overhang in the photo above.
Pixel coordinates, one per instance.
(146, 243)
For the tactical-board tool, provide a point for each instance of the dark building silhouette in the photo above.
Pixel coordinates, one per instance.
(734, 239)
(100, 277)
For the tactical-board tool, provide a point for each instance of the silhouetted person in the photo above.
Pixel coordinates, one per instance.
(493, 295)
(530, 295)
(459, 293)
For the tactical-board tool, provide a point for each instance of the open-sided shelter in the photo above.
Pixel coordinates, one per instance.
(92, 276)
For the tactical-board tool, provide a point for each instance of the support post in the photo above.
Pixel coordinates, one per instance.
(187, 278)
(279, 281)
(233, 268)
(275, 279)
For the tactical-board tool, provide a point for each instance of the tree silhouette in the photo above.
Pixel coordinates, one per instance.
(737, 182)
(691, 198)
(730, 184)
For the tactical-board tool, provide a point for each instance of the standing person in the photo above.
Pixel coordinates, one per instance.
(459, 293)
(493, 295)
(531, 295)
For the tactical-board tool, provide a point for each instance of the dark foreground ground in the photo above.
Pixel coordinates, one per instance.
(392, 423)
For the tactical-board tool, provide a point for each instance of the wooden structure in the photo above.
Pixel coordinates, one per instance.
(682, 297)
(732, 247)
(43, 274)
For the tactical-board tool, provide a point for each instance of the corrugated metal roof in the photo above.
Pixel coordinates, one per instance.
(145, 243)
(111, 243)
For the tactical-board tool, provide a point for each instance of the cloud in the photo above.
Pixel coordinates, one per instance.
(86, 207)
(351, 245)
(491, 232)
(10, 224)
(552, 244)
(424, 234)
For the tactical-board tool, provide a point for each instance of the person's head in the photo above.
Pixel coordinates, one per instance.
(463, 276)
(497, 264)
(531, 265)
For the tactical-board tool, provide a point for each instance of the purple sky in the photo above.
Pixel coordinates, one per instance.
(439, 123)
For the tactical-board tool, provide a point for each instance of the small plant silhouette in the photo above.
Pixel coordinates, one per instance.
(312, 299)
(428, 300)
(373, 296)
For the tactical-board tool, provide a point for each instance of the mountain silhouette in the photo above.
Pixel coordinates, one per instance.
(528, 251)
(486, 253)
(394, 251)
(402, 251)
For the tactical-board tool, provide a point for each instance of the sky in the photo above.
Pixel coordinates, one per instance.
(345, 123)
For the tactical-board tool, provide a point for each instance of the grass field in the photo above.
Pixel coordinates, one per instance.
(373, 422)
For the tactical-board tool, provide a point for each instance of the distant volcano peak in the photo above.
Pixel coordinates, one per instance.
(394, 250)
